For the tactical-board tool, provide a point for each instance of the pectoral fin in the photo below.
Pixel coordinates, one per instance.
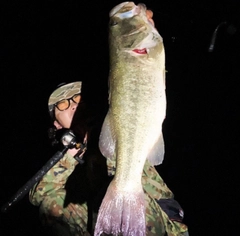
(106, 141)
(156, 154)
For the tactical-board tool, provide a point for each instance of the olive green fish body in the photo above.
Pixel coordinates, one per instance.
(132, 129)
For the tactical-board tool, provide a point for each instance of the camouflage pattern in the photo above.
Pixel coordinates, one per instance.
(155, 188)
(64, 92)
(50, 194)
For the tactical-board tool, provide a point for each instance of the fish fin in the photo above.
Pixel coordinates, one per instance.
(106, 142)
(121, 213)
(156, 154)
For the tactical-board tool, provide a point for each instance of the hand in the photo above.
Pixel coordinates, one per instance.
(73, 151)
(149, 16)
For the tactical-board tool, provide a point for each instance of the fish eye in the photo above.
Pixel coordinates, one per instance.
(113, 23)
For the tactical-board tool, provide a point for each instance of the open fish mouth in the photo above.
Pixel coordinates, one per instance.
(131, 10)
(117, 8)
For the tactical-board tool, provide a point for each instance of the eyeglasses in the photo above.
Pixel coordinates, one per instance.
(65, 103)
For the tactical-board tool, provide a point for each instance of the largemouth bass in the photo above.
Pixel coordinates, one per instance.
(132, 129)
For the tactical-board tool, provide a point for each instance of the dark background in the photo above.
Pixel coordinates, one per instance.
(49, 42)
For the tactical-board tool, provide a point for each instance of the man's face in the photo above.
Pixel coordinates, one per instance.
(64, 118)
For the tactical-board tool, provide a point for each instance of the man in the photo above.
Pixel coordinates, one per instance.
(50, 193)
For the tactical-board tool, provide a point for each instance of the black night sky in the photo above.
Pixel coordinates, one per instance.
(49, 42)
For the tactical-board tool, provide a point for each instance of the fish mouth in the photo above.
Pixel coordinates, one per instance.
(117, 8)
(127, 9)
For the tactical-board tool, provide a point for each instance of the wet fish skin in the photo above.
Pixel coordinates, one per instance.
(132, 129)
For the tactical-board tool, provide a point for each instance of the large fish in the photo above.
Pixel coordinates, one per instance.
(132, 129)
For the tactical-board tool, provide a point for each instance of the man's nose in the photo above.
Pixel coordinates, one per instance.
(73, 105)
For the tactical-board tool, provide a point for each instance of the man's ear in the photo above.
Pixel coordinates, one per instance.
(57, 125)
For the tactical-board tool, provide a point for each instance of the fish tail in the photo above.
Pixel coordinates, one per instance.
(121, 213)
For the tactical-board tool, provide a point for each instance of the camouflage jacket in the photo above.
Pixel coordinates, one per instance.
(154, 187)
(53, 180)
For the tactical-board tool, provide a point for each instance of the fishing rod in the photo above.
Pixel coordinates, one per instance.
(214, 35)
(68, 140)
